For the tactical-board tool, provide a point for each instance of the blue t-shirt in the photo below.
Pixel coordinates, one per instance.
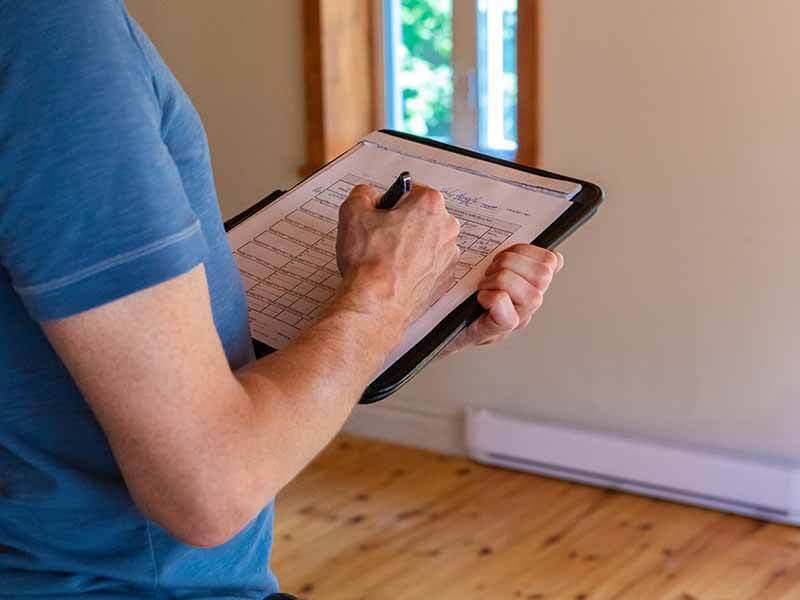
(105, 189)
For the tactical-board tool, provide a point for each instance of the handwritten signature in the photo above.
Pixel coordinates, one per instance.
(468, 200)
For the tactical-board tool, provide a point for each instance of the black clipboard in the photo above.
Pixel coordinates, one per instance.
(584, 206)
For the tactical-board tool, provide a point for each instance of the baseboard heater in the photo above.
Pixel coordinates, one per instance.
(756, 489)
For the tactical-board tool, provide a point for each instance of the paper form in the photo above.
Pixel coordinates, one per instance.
(286, 253)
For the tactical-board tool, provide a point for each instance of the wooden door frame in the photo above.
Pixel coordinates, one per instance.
(528, 132)
(339, 67)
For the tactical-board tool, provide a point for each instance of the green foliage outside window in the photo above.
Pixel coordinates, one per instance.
(426, 72)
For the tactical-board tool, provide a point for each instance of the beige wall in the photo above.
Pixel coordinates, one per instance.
(677, 315)
(241, 63)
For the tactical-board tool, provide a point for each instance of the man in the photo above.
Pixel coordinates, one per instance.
(140, 444)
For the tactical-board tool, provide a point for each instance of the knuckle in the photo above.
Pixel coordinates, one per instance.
(520, 248)
(360, 189)
(505, 277)
(540, 284)
(543, 276)
(359, 194)
(505, 260)
(433, 199)
(352, 202)
(529, 289)
(525, 251)
(453, 226)
(537, 298)
(550, 260)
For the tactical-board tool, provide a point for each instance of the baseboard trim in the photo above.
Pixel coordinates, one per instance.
(764, 490)
(409, 427)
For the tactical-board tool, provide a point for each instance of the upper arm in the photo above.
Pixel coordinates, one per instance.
(152, 368)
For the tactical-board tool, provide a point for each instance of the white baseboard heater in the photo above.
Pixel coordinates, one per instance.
(756, 489)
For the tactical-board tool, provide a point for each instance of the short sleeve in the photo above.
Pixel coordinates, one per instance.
(92, 205)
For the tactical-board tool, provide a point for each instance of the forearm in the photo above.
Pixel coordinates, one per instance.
(302, 395)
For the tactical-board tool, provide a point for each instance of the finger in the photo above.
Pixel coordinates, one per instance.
(451, 228)
(527, 298)
(541, 255)
(500, 319)
(492, 326)
(361, 197)
(537, 274)
(521, 291)
(560, 258)
(521, 254)
(423, 197)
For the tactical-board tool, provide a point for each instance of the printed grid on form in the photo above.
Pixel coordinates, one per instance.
(289, 271)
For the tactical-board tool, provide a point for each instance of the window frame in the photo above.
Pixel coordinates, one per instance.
(339, 67)
(344, 61)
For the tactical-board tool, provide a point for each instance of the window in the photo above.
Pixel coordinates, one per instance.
(450, 70)
(461, 71)
(497, 74)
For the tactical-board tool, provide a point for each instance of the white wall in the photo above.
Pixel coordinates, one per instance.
(241, 63)
(677, 314)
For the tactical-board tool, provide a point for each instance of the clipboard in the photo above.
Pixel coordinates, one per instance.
(583, 206)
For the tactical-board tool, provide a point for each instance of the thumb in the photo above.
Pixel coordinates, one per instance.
(498, 321)
(361, 197)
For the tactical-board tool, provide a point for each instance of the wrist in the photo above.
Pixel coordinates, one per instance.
(373, 294)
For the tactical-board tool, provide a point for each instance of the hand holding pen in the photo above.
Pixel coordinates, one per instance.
(400, 187)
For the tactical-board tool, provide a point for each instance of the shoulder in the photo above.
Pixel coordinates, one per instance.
(65, 34)
(20, 19)
(70, 62)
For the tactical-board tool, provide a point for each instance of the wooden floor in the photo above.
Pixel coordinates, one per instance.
(372, 521)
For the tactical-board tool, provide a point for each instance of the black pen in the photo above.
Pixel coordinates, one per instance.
(400, 187)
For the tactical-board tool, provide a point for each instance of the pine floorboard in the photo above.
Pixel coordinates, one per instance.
(374, 521)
